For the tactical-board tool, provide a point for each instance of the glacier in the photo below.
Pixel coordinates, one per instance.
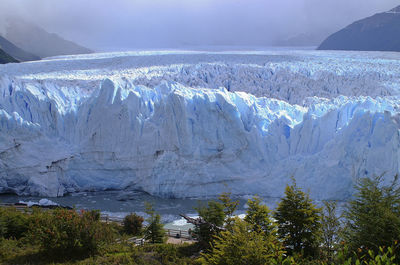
(195, 124)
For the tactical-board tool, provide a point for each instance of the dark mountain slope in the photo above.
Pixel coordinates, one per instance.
(36, 40)
(16, 52)
(5, 58)
(380, 32)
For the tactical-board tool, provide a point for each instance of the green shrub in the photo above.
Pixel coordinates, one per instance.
(3, 227)
(163, 253)
(133, 224)
(13, 224)
(66, 231)
(384, 256)
(93, 214)
(167, 253)
(243, 245)
(117, 259)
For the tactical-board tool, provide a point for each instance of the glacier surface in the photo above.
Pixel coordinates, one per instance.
(194, 124)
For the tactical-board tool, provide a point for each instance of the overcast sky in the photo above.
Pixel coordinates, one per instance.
(129, 24)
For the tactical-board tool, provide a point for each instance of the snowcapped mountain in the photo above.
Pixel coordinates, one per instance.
(187, 124)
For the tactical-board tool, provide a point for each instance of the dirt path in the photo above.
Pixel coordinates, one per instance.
(176, 241)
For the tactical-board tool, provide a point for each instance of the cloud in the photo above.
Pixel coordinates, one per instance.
(124, 24)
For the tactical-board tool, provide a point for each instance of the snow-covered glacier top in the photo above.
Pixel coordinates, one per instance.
(185, 124)
(286, 75)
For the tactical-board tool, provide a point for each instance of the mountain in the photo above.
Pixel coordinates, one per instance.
(380, 32)
(157, 124)
(36, 40)
(303, 39)
(16, 52)
(5, 58)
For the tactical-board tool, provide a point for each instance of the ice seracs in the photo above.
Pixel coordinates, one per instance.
(60, 134)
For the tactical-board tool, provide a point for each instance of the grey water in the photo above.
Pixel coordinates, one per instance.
(119, 204)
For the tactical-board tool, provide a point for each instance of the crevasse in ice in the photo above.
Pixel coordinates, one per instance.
(167, 124)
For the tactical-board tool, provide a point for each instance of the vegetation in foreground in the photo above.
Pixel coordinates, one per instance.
(297, 232)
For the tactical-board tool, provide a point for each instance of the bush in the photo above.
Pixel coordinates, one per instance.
(93, 214)
(13, 224)
(165, 254)
(243, 245)
(384, 256)
(133, 224)
(66, 231)
(3, 227)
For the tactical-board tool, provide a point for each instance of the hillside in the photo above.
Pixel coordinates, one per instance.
(380, 32)
(5, 58)
(38, 41)
(15, 51)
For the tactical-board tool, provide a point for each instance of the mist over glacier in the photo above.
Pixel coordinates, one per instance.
(194, 124)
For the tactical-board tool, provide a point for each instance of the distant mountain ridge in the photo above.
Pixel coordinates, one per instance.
(395, 10)
(303, 39)
(6, 58)
(15, 51)
(38, 41)
(380, 32)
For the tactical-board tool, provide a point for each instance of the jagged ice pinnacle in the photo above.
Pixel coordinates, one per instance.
(165, 123)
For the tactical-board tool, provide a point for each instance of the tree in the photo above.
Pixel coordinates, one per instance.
(214, 216)
(133, 224)
(230, 207)
(259, 217)
(154, 232)
(244, 246)
(373, 216)
(330, 230)
(298, 222)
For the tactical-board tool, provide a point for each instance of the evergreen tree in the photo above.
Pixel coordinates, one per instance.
(244, 246)
(330, 230)
(230, 207)
(154, 231)
(373, 216)
(259, 217)
(298, 222)
(214, 215)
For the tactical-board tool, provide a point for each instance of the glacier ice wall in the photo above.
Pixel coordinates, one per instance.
(174, 141)
(70, 131)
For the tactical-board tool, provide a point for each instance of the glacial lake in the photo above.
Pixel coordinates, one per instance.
(117, 204)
